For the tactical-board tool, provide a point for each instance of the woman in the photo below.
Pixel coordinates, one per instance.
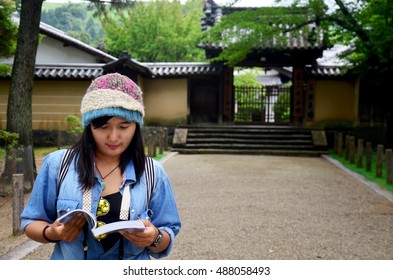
(105, 175)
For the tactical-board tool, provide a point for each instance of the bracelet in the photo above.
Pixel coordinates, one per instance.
(46, 237)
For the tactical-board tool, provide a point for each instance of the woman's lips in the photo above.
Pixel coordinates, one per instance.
(113, 147)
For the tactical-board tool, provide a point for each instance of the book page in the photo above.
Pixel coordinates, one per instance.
(91, 219)
(133, 225)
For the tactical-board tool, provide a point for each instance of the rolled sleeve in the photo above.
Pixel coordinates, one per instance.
(42, 201)
(165, 213)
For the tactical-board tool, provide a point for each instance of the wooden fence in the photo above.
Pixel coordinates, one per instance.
(361, 154)
(155, 140)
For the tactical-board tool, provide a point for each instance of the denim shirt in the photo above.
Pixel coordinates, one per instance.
(43, 205)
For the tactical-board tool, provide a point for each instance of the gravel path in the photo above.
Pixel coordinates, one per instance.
(273, 208)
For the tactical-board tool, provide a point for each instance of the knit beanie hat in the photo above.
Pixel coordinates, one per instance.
(112, 95)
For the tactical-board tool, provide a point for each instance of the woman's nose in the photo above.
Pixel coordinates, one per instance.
(113, 134)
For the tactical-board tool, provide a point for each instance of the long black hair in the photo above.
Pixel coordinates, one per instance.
(83, 152)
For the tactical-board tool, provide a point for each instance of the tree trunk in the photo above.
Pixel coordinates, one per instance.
(19, 110)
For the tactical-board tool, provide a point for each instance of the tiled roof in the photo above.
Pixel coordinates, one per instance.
(166, 69)
(69, 71)
(330, 64)
(89, 71)
(125, 61)
(159, 70)
(326, 71)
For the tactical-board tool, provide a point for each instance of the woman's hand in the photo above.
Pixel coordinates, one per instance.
(42, 231)
(69, 231)
(142, 238)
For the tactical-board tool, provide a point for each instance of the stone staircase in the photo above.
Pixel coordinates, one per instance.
(250, 139)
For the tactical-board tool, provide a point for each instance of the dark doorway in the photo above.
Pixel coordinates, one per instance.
(204, 96)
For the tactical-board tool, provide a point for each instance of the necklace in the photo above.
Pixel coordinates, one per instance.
(103, 185)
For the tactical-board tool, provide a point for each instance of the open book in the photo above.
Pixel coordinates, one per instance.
(133, 225)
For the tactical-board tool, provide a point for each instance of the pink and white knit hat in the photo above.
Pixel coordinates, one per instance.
(112, 95)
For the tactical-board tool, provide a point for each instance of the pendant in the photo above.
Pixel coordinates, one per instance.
(103, 185)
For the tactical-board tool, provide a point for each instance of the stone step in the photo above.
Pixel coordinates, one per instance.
(246, 139)
(282, 141)
(300, 153)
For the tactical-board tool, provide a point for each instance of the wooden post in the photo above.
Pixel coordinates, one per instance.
(369, 153)
(154, 143)
(149, 144)
(13, 161)
(165, 138)
(359, 163)
(347, 147)
(335, 148)
(59, 140)
(161, 141)
(378, 172)
(17, 202)
(389, 166)
(340, 144)
(352, 149)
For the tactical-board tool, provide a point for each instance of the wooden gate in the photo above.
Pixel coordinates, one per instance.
(264, 104)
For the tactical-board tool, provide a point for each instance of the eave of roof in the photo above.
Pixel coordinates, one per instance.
(293, 44)
(326, 71)
(165, 70)
(331, 64)
(176, 69)
(126, 60)
(158, 70)
(68, 71)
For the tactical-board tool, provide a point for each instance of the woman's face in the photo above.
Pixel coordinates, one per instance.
(113, 138)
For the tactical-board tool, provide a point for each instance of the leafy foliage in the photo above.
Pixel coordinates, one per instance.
(10, 139)
(245, 31)
(8, 33)
(282, 108)
(77, 20)
(74, 125)
(246, 78)
(371, 28)
(249, 95)
(366, 25)
(159, 31)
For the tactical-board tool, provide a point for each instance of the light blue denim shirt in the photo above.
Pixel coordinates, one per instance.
(43, 205)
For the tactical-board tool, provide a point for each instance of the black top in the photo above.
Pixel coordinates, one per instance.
(114, 203)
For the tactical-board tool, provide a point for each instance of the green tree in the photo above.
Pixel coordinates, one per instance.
(366, 25)
(249, 95)
(8, 33)
(80, 35)
(159, 31)
(77, 20)
(281, 107)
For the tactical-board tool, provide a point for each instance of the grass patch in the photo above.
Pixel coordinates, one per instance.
(43, 151)
(369, 175)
